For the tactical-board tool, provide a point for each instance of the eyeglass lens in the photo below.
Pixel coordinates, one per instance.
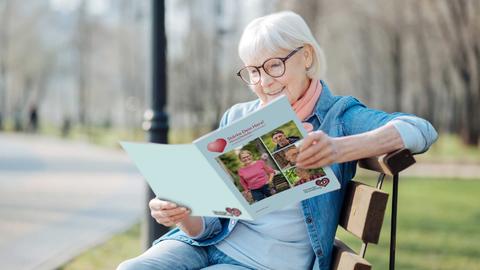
(273, 67)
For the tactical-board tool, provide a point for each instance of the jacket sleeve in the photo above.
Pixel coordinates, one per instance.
(224, 119)
(357, 118)
(211, 227)
(417, 134)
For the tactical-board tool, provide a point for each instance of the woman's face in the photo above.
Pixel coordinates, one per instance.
(293, 83)
(246, 158)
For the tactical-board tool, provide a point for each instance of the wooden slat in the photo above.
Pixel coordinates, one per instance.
(363, 211)
(345, 258)
(389, 164)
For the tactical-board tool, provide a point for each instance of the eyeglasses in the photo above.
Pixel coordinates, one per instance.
(274, 67)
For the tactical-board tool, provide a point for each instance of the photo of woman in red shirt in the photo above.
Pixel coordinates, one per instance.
(255, 175)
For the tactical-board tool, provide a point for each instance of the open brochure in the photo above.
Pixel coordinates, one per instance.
(241, 171)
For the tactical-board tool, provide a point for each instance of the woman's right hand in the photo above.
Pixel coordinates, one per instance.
(167, 213)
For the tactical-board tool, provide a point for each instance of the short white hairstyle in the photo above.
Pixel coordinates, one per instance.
(283, 30)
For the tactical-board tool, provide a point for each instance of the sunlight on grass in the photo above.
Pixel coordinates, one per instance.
(110, 254)
(437, 226)
(449, 148)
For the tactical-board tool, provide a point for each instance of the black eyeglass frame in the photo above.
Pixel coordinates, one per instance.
(283, 59)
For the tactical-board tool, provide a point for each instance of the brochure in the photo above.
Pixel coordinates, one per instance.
(242, 171)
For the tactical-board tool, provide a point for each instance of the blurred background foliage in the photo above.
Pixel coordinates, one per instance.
(83, 65)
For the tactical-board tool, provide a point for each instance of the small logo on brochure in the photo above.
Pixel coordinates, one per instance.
(322, 182)
(228, 212)
(217, 146)
(233, 211)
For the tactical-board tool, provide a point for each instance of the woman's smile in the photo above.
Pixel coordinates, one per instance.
(273, 93)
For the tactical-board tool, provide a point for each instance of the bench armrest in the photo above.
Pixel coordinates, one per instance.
(389, 164)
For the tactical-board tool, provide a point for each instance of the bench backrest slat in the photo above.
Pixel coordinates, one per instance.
(345, 258)
(363, 211)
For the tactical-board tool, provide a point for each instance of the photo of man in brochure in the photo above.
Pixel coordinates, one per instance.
(282, 136)
(266, 166)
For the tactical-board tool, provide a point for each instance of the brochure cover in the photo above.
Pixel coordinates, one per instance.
(242, 171)
(255, 157)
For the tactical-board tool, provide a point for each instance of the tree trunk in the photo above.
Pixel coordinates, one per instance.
(4, 47)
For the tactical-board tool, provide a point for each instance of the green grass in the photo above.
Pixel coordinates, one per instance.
(449, 148)
(438, 229)
(109, 254)
(108, 137)
(437, 226)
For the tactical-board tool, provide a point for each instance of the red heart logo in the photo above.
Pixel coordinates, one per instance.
(324, 182)
(217, 146)
(236, 212)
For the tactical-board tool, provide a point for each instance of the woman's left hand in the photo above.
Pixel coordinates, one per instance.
(318, 150)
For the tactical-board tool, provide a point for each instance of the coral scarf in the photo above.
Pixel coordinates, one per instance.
(305, 105)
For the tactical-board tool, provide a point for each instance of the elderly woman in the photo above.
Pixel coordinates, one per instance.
(282, 57)
(255, 175)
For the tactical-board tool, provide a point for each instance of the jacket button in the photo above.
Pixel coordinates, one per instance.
(319, 252)
(308, 220)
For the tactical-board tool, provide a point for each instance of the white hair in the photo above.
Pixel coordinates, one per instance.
(283, 30)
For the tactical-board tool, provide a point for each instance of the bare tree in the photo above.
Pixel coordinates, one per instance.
(131, 60)
(21, 68)
(460, 29)
(424, 60)
(397, 54)
(81, 42)
(4, 51)
(310, 10)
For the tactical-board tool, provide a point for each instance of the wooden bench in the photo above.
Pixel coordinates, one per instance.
(364, 209)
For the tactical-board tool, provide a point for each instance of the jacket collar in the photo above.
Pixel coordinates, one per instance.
(324, 103)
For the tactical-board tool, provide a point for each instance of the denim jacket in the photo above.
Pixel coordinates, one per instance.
(336, 116)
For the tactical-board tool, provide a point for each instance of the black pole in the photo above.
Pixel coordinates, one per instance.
(156, 119)
(393, 228)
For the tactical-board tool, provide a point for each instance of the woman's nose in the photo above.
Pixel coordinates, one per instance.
(265, 79)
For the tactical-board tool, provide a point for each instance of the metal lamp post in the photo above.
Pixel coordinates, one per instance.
(156, 119)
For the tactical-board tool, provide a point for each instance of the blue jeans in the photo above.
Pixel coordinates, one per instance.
(261, 193)
(172, 254)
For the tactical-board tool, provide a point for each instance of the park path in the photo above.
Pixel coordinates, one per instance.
(59, 198)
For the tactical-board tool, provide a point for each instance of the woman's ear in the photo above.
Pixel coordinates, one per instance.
(308, 55)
